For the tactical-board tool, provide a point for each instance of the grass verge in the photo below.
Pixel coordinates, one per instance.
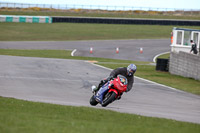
(164, 56)
(62, 54)
(29, 117)
(78, 31)
(144, 70)
(165, 78)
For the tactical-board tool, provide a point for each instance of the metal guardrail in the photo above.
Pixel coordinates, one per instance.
(94, 7)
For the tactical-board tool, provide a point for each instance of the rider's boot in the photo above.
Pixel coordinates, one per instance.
(94, 88)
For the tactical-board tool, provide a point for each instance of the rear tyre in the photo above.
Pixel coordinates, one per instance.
(109, 98)
(93, 102)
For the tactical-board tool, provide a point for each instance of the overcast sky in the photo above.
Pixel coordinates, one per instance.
(179, 4)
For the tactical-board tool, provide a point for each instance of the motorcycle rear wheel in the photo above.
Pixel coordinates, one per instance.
(109, 98)
(93, 102)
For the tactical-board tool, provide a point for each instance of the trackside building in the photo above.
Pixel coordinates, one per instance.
(182, 62)
(180, 39)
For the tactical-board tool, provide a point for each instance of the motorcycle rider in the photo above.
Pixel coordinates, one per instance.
(128, 72)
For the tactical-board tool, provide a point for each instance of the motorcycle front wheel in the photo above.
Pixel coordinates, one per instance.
(109, 98)
(93, 102)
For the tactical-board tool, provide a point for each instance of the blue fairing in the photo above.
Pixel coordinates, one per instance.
(101, 92)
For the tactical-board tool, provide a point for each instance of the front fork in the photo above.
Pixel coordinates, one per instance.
(115, 91)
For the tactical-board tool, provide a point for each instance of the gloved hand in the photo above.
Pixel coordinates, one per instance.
(104, 81)
(112, 86)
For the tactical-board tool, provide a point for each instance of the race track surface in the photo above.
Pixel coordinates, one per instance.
(68, 82)
(128, 49)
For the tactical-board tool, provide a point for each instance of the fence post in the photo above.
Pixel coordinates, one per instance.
(170, 11)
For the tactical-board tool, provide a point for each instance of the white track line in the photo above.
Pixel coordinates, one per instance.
(143, 79)
(102, 66)
(154, 59)
(72, 53)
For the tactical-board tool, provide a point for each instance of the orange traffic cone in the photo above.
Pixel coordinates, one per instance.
(91, 50)
(141, 50)
(117, 50)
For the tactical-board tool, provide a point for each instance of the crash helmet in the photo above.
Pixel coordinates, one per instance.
(131, 69)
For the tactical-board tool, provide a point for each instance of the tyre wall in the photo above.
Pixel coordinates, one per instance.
(25, 19)
(125, 21)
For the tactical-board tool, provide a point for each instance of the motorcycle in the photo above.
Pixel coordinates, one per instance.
(110, 91)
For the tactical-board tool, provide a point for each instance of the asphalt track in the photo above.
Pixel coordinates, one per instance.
(128, 49)
(68, 82)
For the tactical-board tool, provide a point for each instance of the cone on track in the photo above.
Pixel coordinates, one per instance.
(117, 50)
(91, 50)
(141, 50)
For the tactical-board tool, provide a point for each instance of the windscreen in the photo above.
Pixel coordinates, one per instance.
(123, 79)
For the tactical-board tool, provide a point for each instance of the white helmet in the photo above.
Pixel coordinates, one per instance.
(131, 69)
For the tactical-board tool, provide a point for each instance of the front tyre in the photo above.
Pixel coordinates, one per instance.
(109, 98)
(93, 102)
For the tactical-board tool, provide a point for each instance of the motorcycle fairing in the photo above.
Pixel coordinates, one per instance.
(100, 94)
(113, 90)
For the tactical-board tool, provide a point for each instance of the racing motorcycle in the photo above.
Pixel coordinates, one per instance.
(110, 91)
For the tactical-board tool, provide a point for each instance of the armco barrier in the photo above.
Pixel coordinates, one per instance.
(125, 21)
(25, 19)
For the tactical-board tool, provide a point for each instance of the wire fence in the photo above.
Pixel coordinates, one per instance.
(62, 8)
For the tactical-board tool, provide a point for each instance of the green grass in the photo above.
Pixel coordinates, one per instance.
(22, 116)
(62, 54)
(78, 31)
(164, 56)
(149, 72)
(179, 82)
(144, 70)
(18, 116)
(107, 14)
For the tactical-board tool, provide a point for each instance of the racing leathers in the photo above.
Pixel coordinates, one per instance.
(122, 71)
